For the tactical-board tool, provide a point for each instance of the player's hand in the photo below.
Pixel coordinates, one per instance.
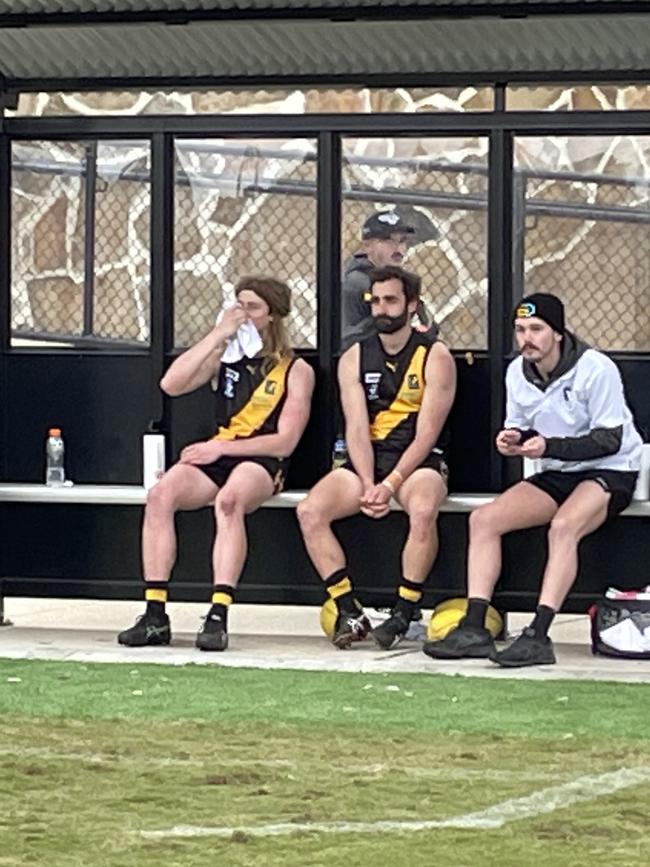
(508, 442)
(533, 447)
(375, 502)
(375, 511)
(233, 317)
(201, 453)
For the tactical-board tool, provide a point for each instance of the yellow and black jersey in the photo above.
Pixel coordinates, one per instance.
(249, 401)
(394, 389)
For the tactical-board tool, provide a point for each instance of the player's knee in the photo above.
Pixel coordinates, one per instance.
(561, 528)
(309, 515)
(160, 499)
(422, 518)
(228, 504)
(480, 520)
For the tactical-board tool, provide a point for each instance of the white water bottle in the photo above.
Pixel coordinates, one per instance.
(153, 459)
(54, 458)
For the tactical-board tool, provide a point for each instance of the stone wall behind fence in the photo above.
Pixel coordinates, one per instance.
(255, 211)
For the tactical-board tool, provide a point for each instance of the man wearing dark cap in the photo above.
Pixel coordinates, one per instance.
(565, 407)
(385, 239)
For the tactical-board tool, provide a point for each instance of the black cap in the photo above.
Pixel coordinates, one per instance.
(544, 306)
(383, 224)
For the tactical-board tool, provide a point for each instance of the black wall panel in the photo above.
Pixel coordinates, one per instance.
(101, 403)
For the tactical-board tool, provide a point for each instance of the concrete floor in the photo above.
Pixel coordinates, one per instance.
(272, 637)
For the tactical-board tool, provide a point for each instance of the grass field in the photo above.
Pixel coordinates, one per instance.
(101, 764)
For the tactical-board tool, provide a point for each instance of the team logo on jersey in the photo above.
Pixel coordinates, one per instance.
(412, 381)
(230, 378)
(372, 381)
(269, 386)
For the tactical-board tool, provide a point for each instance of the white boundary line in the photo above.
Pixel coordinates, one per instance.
(580, 790)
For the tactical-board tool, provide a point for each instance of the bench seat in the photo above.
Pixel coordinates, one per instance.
(136, 495)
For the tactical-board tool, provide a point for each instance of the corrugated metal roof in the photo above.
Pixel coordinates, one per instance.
(236, 52)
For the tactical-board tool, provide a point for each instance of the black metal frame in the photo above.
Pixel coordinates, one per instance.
(162, 131)
(345, 12)
(90, 193)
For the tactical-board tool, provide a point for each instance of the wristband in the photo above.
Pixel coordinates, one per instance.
(527, 435)
(392, 481)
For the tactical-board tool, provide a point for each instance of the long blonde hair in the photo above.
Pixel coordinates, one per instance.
(277, 295)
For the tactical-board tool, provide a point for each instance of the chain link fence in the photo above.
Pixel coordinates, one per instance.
(446, 202)
(80, 241)
(586, 238)
(81, 226)
(243, 208)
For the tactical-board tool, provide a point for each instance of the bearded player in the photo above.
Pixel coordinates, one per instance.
(397, 387)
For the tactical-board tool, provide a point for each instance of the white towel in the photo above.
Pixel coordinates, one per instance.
(245, 342)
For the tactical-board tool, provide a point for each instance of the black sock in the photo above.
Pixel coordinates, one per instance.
(541, 623)
(476, 609)
(155, 595)
(222, 597)
(340, 589)
(220, 611)
(409, 594)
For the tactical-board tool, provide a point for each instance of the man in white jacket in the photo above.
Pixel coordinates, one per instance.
(566, 407)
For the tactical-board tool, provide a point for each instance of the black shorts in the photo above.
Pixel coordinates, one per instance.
(220, 470)
(386, 461)
(558, 485)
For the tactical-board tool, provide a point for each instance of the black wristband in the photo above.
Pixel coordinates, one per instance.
(527, 435)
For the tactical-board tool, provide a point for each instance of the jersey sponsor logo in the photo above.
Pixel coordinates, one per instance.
(230, 378)
(372, 380)
(269, 386)
(391, 366)
(412, 382)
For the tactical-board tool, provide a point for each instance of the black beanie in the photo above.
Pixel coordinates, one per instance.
(543, 306)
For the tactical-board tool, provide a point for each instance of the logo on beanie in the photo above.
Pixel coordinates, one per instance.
(525, 310)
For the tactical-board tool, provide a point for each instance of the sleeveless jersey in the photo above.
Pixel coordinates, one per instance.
(248, 402)
(394, 388)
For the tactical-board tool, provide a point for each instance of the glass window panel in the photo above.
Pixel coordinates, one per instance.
(80, 241)
(271, 101)
(440, 186)
(579, 97)
(582, 221)
(243, 207)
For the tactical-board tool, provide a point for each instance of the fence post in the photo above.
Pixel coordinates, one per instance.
(90, 191)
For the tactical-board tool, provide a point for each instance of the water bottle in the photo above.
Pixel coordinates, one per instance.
(339, 453)
(153, 458)
(54, 455)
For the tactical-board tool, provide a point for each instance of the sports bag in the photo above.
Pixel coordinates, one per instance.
(621, 626)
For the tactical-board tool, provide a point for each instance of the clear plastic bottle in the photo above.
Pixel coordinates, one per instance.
(54, 458)
(339, 453)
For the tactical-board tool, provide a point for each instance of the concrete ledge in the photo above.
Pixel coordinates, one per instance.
(136, 495)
